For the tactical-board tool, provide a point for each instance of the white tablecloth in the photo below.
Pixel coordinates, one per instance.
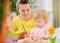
(43, 41)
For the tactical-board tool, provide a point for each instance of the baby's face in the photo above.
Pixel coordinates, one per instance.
(40, 22)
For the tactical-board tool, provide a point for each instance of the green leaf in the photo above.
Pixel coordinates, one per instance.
(13, 4)
(14, 32)
(1, 13)
(52, 39)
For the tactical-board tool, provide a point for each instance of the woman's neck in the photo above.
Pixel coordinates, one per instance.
(25, 18)
(40, 26)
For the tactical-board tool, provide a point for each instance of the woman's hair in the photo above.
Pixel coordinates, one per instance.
(41, 14)
(22, 2)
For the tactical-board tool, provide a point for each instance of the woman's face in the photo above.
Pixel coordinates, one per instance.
(24, 9)
(40, 22)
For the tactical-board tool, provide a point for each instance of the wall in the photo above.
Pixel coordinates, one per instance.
(48, 6)
(53, 9)
(59, 13)
(56, 13)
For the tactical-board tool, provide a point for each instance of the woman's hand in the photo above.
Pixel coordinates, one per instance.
(23, 35)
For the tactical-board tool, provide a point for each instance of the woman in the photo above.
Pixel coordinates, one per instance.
(25, 21)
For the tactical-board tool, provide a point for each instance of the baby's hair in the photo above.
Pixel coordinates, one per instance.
(41, 14)
(22, 2)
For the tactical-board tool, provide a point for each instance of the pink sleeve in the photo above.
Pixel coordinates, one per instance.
(45, 33)
(32, 33)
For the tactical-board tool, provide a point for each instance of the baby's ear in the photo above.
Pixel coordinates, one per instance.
(35, 16)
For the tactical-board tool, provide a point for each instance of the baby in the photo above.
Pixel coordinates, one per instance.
(40, 32)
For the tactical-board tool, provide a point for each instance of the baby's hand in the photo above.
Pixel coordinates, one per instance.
(44, 38)
(37, 38)
(27, 40)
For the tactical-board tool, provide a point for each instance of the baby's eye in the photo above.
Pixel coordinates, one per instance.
(27, 9)
(39, 21)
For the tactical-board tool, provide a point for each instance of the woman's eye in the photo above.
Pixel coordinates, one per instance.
(23, 10)
(27, 9)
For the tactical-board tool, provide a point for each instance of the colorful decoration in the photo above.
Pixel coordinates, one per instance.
(51, 30)
(51, 36)
(23, 35)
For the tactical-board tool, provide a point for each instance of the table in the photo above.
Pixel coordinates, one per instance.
(43, 41)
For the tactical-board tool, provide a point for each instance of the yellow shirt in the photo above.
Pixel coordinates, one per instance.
(28, 25)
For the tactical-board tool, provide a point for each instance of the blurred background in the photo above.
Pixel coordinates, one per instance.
(51, 6)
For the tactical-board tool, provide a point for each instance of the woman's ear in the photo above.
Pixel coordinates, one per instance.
(17, 10)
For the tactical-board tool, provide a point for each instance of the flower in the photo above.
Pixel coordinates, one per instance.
(51, 30)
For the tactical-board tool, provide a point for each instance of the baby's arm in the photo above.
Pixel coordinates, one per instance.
(37, 38)
(45, 36)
